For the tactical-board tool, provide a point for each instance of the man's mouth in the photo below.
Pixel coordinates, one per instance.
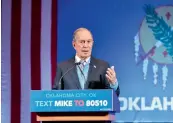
(85, 51)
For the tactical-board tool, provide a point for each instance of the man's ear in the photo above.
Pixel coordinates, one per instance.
(73, 43)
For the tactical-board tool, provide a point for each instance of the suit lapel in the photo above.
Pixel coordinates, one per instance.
(74, 75)
(91, 72)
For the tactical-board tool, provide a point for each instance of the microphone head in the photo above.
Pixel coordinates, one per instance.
(80, 62)
(77, 63)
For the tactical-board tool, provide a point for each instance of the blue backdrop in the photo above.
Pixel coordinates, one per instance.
(120, 30)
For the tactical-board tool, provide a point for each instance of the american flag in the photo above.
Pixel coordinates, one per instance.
(29, 41)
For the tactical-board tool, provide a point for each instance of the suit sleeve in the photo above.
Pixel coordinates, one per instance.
(106, 83)
(57, 78)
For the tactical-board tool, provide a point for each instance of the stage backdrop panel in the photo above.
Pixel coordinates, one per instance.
(136, 37)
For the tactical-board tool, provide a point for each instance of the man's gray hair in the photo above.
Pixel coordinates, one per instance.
(77, 30)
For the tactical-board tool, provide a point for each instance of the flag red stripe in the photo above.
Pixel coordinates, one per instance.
(15, 61)
(35, 49)
(54, 38)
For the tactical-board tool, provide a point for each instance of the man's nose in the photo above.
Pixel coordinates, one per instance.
(85, 44)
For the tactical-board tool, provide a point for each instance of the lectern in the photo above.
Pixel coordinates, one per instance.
(75, 105)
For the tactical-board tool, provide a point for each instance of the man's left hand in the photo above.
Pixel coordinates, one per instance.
(111, 75)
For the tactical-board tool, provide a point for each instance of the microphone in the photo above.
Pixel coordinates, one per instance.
(60, 82)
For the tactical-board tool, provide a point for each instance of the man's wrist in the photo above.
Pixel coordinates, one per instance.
(114, 85)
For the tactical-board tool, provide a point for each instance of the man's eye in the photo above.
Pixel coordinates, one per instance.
(82, 41)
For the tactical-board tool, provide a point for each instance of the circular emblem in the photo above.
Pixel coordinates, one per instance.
(156, 34)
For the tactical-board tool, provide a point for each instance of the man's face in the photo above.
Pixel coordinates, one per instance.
(83, 44)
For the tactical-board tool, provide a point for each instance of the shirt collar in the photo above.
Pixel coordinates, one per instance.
(77, 59)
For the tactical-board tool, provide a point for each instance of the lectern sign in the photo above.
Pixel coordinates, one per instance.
(72, 100)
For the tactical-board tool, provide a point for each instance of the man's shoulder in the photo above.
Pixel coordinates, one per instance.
(65, 63)
(100, 61)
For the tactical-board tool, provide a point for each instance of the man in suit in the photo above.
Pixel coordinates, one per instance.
(83, 71)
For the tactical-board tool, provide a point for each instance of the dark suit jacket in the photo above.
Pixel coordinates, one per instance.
(96, 75)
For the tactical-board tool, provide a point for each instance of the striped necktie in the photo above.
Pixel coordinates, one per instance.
(83, 63)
